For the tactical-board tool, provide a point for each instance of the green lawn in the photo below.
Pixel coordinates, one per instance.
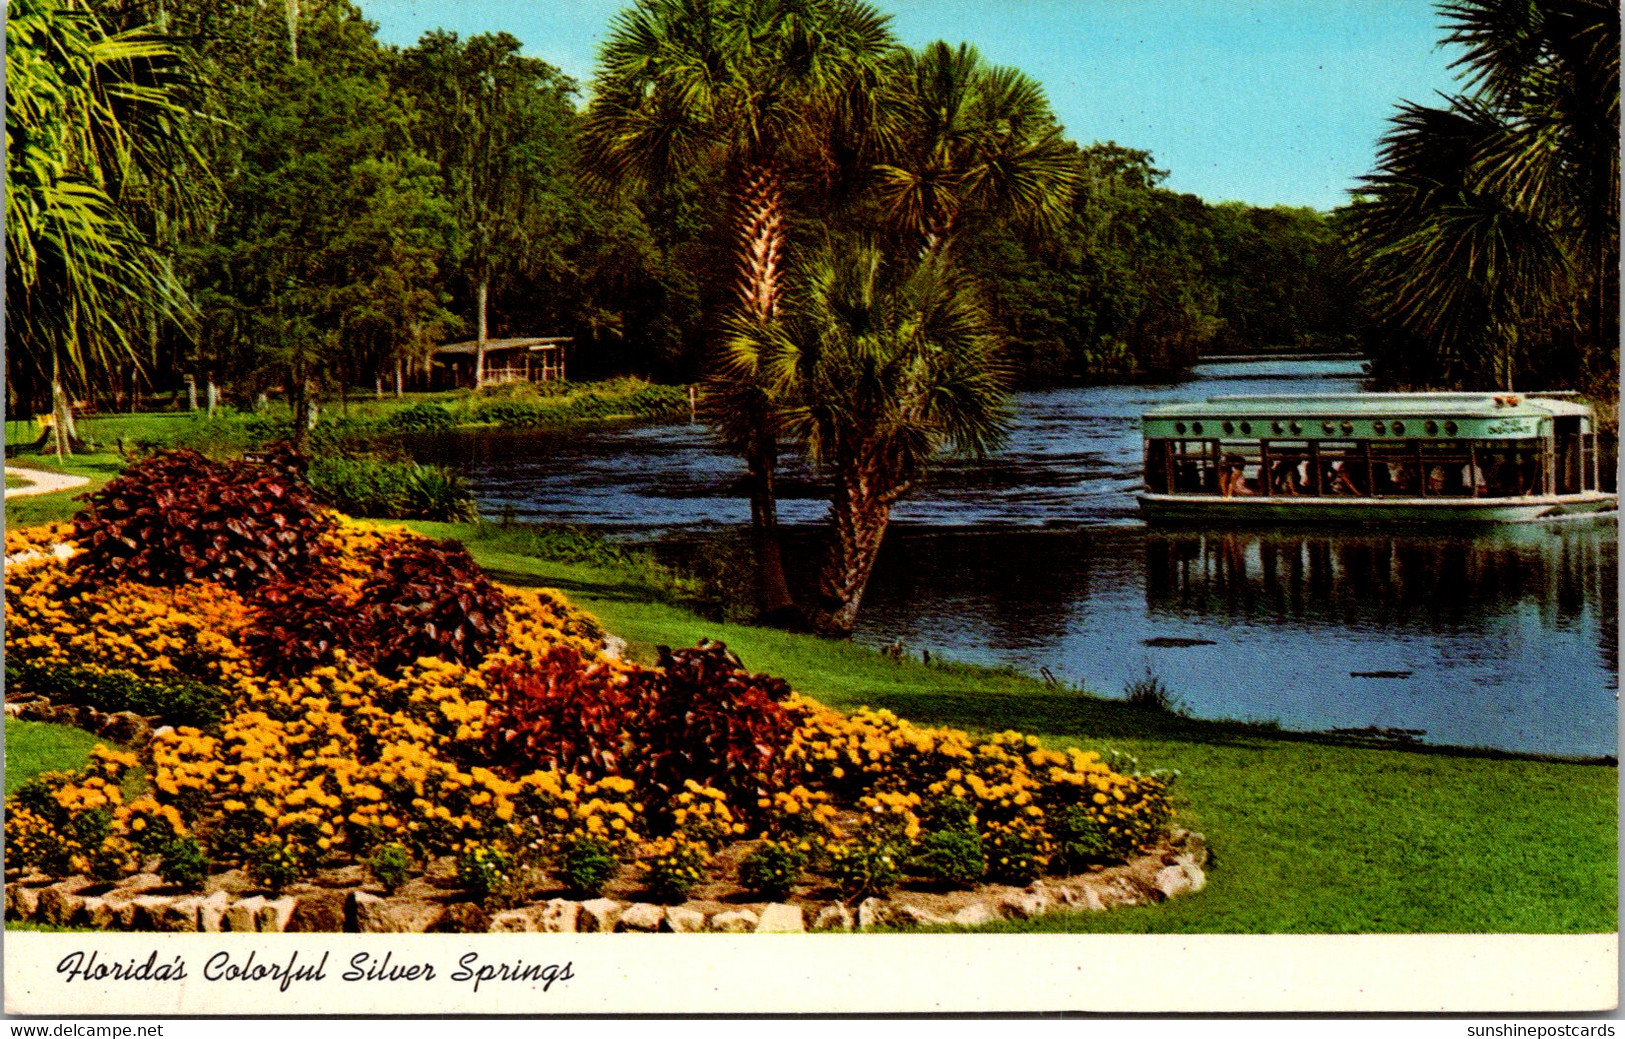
(35, 747)
(1308, 835)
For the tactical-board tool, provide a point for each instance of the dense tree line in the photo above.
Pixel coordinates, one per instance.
(286, 204)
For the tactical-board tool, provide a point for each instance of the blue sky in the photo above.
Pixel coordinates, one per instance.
(1261, 101)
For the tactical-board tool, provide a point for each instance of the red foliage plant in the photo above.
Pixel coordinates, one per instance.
(700, 716)
(430, 599)
(564, 712)
(179, 517)
(423, 599)
(300, 623)
(715, 723)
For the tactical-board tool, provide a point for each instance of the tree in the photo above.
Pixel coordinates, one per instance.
(874, 377)
(87, 113)
(496, 124)
(750, 87)
(966, 141)
(1489, 228)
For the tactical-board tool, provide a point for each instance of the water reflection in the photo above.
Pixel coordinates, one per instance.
(1503, 639)
(1379, 579)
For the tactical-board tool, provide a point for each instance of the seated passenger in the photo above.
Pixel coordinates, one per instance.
(1339, 480)
(1231, 481)
(1284, 478)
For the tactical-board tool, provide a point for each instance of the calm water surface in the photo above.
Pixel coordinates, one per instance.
(1036, 558)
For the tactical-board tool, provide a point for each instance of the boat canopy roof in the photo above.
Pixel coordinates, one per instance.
(1504, 415)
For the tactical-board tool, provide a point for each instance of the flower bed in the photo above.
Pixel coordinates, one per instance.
(368, 706)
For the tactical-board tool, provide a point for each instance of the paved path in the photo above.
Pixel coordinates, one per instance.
(43, 482)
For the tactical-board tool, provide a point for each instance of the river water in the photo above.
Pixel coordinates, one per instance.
(1035, 558)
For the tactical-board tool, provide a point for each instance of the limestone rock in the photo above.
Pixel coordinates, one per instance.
(320, 912)
(1026, 905)
(559, 916)
(463, 918)
(640, 916)
(374, 915)
(177, 914)
(875, 912)
(598, 915)
(126, 727)
(734, 921)
(974, 915)
(833, 917)
(780, 918)
(1195, 846)
(274, 915)
(903, 914)
(61, 902)
(99, 913)
(1171, 881)
(22, 901)
(244, 914)
(211, 912)
(513, 921)
(143, 912)
(682, 920)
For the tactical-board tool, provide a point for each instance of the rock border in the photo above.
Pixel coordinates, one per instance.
(227, 903)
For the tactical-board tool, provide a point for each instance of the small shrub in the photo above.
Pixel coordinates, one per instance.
(1080, 840)
(276, 863)
(181, 861)
(952, 856)
(865, 866)
(772, 869)
(178, 517)
(586, 864)
(673, 866)
(1015, 854)
(390, 864)
(422, 417)
(383, 489)
(483, 869)
(1149, 692)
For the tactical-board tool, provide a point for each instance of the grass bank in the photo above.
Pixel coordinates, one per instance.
(1309, 835)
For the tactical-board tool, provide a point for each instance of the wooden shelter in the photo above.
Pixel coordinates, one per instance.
(533, 359)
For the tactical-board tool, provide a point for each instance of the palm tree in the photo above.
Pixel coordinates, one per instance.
(874, 379)
(1489, 228)
(970, 141)
(745, 86)
(86, 111)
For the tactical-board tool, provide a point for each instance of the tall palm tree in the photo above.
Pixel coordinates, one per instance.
(745, 86)
(968, 141)
(1490, 227)
(86, 111)
(875, 378)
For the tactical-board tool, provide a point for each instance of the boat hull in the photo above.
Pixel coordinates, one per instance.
(1212, 507)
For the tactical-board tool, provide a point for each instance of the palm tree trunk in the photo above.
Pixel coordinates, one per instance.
(481, 293)
(859, 512)
(61, 413)
(775, 605)
(762, 233)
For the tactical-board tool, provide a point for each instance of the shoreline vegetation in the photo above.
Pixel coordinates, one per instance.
(1311, 832)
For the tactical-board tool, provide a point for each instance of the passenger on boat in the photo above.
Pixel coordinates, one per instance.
(1284, 478)
(1231, 479)
(1402, 477)
(1339, 480)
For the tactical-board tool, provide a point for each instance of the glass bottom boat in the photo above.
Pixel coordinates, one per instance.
(1354, 458)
